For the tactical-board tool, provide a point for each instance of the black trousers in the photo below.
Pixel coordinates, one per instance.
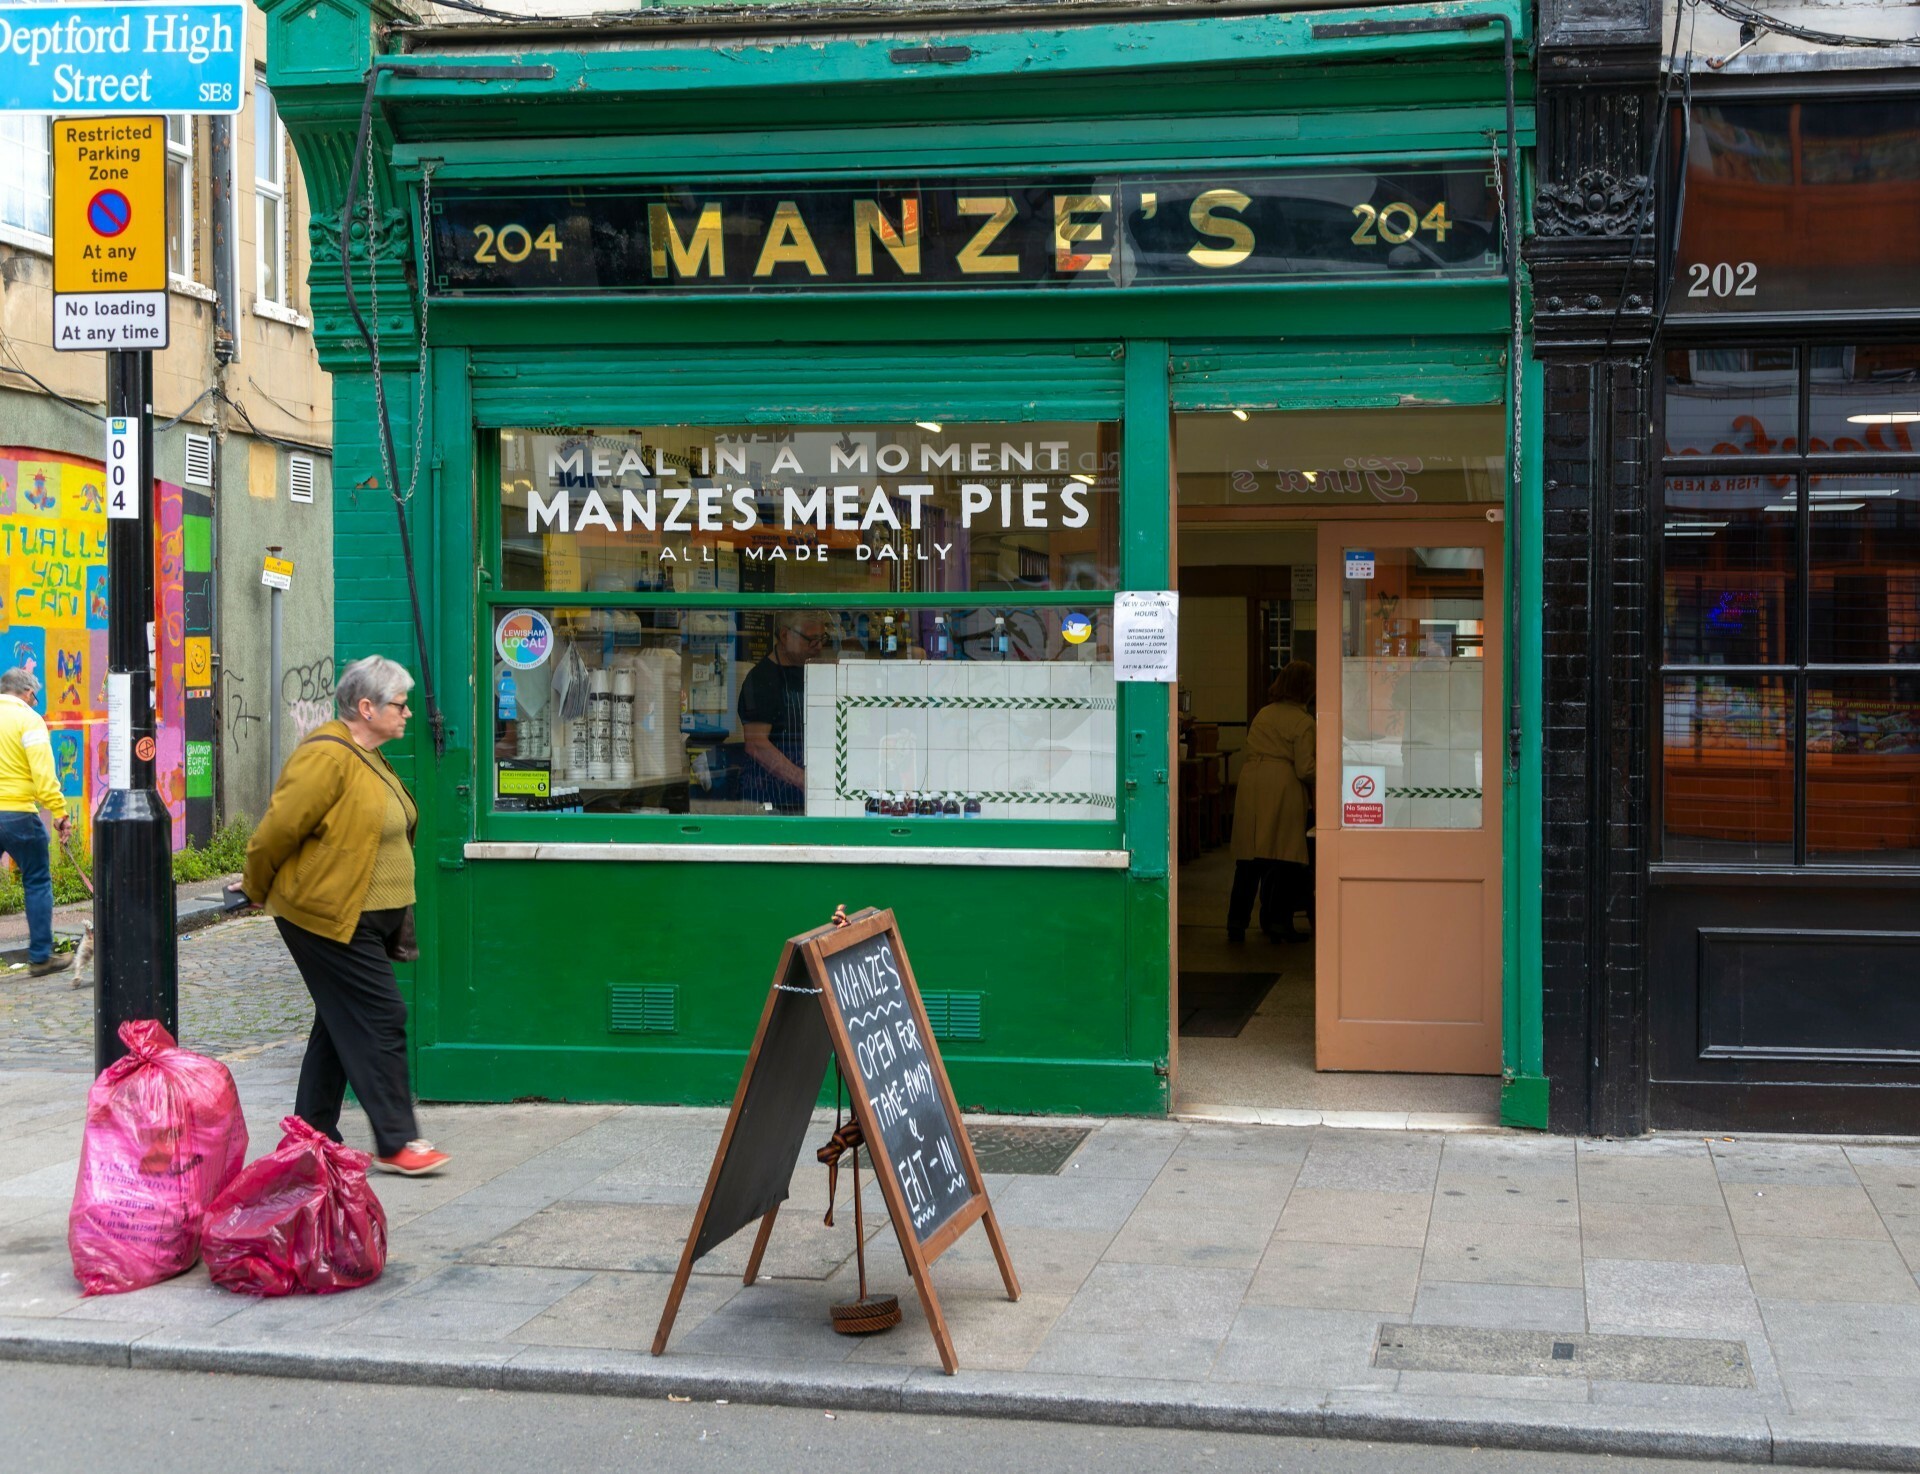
(359, 1031)
(1281, 886)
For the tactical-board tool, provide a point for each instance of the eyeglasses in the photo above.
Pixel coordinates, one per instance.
(401, 707)
(815, 640)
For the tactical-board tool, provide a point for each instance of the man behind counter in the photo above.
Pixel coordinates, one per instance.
(773, 714)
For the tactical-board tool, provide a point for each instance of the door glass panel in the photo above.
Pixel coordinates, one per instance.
(1412, 674)
(1728, 779)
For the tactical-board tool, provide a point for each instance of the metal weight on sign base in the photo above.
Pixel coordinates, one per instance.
(870, 1313)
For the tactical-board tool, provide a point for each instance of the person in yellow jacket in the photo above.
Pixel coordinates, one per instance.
(27, 785)
(332, 861)
(1270, 810)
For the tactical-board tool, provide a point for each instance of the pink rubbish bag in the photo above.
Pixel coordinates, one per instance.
(301, 1220)
(164, 1134)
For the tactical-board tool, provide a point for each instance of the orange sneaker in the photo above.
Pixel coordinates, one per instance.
(415, 1159)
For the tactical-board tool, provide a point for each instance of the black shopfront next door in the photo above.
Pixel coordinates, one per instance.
(1784, 905)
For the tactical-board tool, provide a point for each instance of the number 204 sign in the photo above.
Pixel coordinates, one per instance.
(123, 468)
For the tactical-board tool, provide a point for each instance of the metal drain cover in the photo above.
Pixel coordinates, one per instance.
(1665, 1359)
(1026, 1151)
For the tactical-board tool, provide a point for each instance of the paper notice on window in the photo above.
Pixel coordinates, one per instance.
(119, 730)
(1146, 636)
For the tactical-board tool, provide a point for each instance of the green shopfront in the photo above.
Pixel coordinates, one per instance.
(786, 413)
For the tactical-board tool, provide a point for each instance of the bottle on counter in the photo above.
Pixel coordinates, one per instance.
(873, 806)
(949, 806)
(1000, 635)
(926, 806)
(971, 809)
(890, 636)
(941, 648)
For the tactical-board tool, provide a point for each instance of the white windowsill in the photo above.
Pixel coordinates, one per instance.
(803, 854)
(274, 311)
(187, 287)
(27, 240)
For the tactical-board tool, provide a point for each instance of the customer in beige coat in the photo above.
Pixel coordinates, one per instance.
(1270, 811)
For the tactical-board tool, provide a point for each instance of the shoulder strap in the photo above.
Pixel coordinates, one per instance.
(400, 793)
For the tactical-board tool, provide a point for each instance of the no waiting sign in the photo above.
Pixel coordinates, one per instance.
(109, 233)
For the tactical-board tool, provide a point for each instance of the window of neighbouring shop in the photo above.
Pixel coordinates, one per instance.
(820, 620)
(1790, 606)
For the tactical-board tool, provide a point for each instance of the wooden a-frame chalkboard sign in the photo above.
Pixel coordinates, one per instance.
(847, 992)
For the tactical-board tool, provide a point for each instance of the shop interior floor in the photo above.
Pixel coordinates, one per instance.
(1217, 1005)
(1269, 1064)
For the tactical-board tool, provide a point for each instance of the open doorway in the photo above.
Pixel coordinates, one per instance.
(1271, 507)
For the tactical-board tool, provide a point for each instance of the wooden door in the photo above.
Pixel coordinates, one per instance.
(1408, 903)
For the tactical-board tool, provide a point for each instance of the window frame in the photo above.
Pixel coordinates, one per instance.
(747, 829)
(181, 179)
(274, 189)
(25, 235)
(1799, 671)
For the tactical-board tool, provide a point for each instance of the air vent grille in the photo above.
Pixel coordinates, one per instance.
(953, 1015)
(300, 478)
(199, 470)
(648, 1009)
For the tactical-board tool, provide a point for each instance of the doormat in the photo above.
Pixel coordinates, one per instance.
(1026, 1151)
(1217, 1005)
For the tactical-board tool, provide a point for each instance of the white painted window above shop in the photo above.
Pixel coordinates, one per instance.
(269, 199)
(26, 184)
(181, 209)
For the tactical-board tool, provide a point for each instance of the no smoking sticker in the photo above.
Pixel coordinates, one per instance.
(1363, 797)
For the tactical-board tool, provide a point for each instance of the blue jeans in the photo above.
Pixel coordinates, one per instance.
(23, 839)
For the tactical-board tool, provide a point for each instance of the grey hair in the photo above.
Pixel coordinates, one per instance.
(370, 678)
(18, 682)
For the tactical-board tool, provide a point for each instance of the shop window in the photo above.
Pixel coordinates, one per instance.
(1340, 460)
(1790, 615)
(859, 508)
(974, 711)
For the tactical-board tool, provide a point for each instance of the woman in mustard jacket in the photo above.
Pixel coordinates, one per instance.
(1270, 810)
(332, 861)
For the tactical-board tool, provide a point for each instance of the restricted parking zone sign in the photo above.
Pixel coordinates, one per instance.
(109, 233)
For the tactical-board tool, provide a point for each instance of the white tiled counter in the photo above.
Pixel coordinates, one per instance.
(1031, 740)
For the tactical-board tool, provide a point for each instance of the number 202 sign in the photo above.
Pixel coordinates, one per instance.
(123, 468)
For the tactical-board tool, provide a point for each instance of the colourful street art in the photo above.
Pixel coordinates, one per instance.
(53, 616)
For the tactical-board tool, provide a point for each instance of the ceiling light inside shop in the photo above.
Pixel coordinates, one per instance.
(1886, 417)
(1820, 493)
(1238, 414)
(1083, 476)
(933, 425)
(1821, 507)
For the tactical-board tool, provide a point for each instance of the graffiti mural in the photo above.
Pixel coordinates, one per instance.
(53, 616)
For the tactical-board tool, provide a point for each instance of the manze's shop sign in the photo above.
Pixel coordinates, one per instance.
(816, 484)
(1417, 221)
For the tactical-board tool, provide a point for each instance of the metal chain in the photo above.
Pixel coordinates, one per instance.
(1510, 253)
(426, 292)
(373, 297)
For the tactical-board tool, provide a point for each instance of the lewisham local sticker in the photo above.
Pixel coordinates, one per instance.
(524, 638)
(1075, 629)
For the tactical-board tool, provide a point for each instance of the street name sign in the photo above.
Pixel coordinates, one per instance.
(109, 233)
(108, 58)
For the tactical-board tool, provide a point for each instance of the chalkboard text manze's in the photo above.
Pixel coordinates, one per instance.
(1099, 231)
